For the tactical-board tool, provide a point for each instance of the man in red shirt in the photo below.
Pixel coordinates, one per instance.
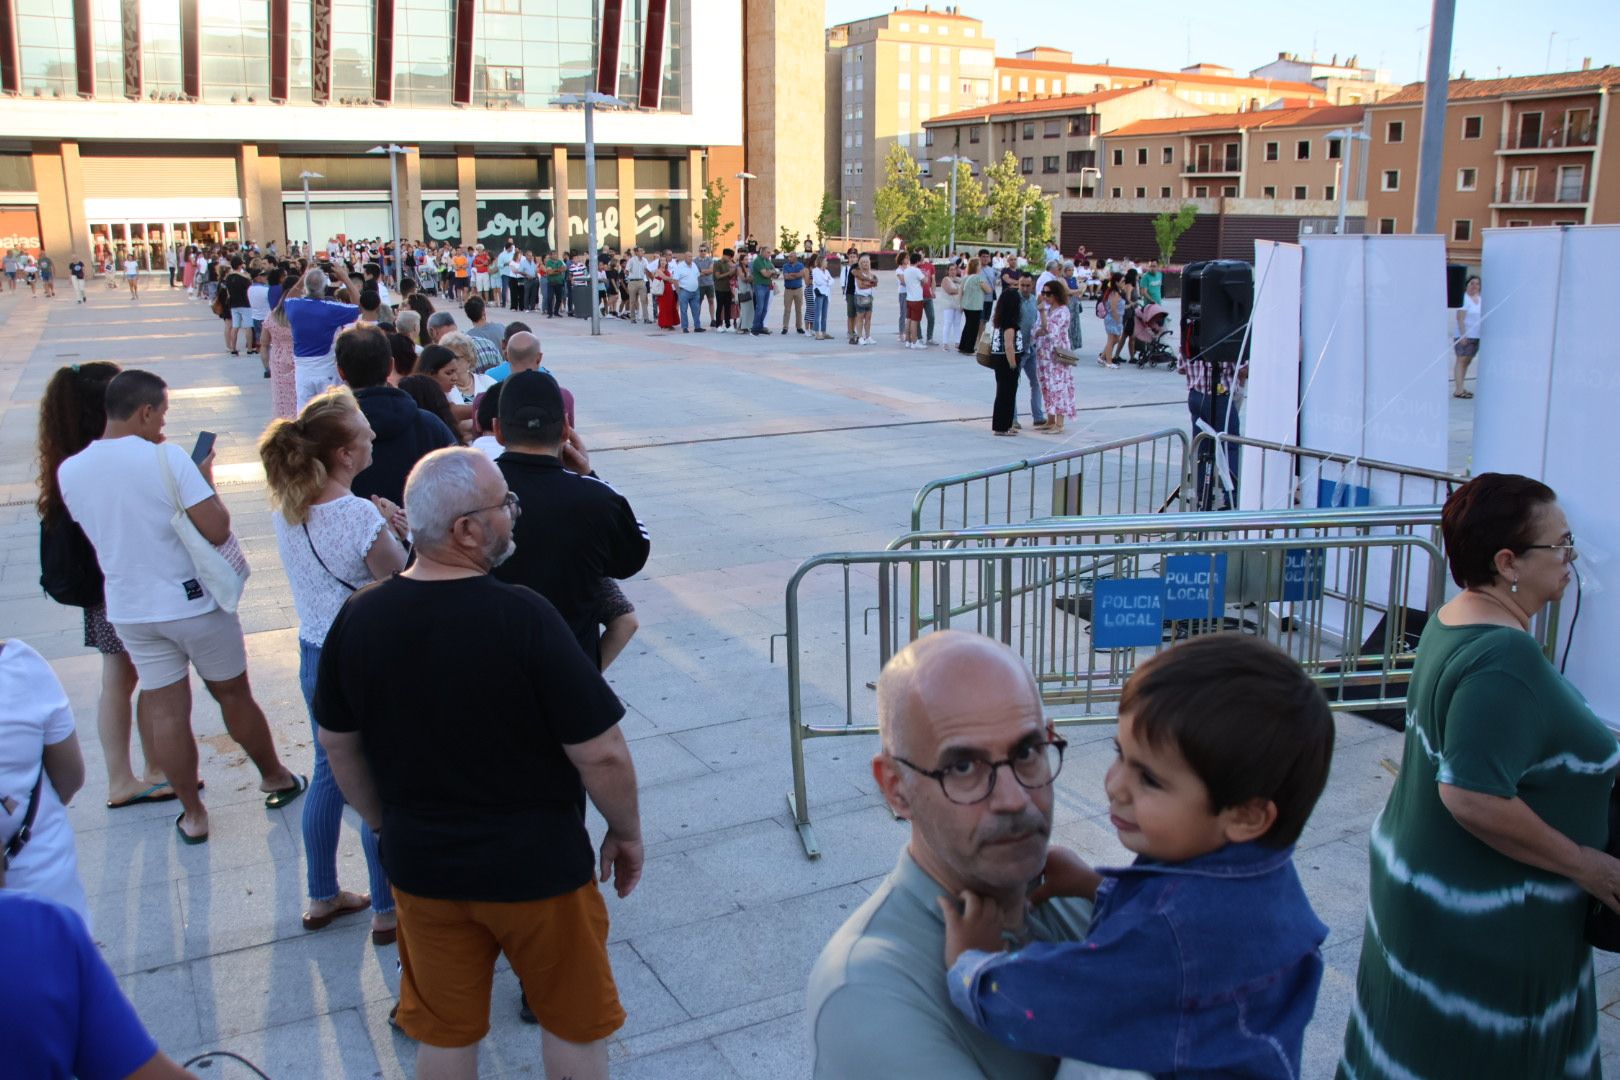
(481, 275)
(927, 268)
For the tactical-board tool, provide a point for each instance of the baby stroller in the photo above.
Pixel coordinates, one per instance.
(1148, 337)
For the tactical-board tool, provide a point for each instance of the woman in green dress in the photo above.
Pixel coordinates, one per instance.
(1474, 964)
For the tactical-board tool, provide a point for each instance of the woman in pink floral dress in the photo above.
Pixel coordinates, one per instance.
(1052, 333)
(277, 345)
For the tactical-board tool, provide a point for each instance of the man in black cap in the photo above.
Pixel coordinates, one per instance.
(580, 530)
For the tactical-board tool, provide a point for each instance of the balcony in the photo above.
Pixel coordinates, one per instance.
(1584, 139)
(1229, 167)
(1526, 197)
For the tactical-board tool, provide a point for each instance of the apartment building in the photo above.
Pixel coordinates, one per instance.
(1282, 155)
(1057, 140)
(1343, 84)
(1520, 151)
(886, 76)
(1044, 71)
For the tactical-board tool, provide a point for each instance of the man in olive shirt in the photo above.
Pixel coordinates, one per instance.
(878, 1005)
(761, 273)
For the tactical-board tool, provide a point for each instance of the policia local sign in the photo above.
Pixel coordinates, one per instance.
(1131, 612)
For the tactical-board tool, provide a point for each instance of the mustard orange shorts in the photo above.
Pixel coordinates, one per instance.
(557, 948)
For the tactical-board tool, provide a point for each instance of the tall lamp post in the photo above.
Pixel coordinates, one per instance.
(1348, 137)
(953, 159)
(591, 101)
(848, 205)
(745, 177)
(309, 222)
(393, 150)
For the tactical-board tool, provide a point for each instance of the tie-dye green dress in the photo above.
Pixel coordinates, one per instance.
(1474, 965)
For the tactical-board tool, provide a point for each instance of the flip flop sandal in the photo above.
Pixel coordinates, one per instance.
(354, 903)
(150, 795)
(275, 800)
(186, 837)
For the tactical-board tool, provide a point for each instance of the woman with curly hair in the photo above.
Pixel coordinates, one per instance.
(72, 415)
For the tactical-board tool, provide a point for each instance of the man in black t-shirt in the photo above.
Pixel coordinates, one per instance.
(76, 272)
(478, 795)
(237, 284)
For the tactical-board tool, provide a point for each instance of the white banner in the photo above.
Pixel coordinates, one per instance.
(1271, 407)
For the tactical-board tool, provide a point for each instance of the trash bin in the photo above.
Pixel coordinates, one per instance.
(580, 297)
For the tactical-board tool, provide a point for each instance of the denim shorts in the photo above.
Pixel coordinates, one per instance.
(241, 318)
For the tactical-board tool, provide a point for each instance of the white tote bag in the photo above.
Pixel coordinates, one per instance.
(222, 569)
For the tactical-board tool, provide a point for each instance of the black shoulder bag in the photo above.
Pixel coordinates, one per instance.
(26, 832)
(68, 569)
(313, 550)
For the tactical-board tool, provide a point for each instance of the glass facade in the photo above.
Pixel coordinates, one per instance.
(235, 49)
(354, 45)
(424, 32)
(526, 52)
(45, 48)
(300, 42)
(107, 34)
(160, 47)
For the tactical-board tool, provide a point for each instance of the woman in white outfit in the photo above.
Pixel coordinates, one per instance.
(1467, 344)
(950, 290)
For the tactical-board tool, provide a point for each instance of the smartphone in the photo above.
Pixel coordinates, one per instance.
(204, 447)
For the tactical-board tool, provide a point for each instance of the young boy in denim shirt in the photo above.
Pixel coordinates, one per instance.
(1203, 957)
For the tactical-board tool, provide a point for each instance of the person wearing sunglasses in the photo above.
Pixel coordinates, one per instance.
(968, 759)
(1489, 855)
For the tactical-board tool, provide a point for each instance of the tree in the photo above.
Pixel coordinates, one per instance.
(971, 204)
(898, 202)
(1014, 209)
(828, 221)
(714, 195)
(1167, 229)
(787, 239)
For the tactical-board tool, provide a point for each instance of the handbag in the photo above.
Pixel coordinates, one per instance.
(1062, 354)
(25, 831)
(221, 568)
(1602, 923)
(863, 302)
(982, 353)
(69, 572)
(220, 305)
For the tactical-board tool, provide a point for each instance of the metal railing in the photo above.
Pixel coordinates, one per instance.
(1304, 587)
(1297, 475)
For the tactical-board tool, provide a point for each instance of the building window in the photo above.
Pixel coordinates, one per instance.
(1116, 193)
(160, 47)
(1201, 192)
(1049, 163)
(1268, 192)
(973, 135)
(904, 81)
(1462, 230)
(925, 54)
(1392, 180)
(1164, 193)
(1029, 130)
(1329, 192)
(1300, 192)
(1395, 131)
(1386, 226)
(1272, 152)
(1006, 82)
(1230, 191)
(1053, 129)
(423, 38)
(905, 52)
(235, 50)
(1167, 155)
(1467, 179)
(1141, 155)
(1081, 159)
(1473, 127)
(1518, 223)
(1335, 149)
(1077, 125)
(1119, 157)
(45, 48)
(1302, 150)
(1571, 178)
(1027, 166)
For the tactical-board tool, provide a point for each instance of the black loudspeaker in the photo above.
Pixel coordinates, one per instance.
(1456, 284)
(1225, 302)
(1191, 305)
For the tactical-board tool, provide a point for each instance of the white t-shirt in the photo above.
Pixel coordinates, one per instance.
(131, 268)
(259, 301)
(34, 714)
(912, 278)
(489, 445)
(342, 532)
(115, 490)
(635, 269)
(686, 276)
(1471, 314)
(457, 396)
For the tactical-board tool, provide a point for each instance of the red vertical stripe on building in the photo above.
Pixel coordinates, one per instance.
(607, 49)
(84, 44)
(10, 76)
(382, 66)
(190, 50)
(461, 85)
(652, 54)
(280, 43)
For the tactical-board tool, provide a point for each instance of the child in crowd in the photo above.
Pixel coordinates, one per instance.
(1203, 957)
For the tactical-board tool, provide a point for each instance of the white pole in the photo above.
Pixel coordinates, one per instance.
(309, 222)
(952, 251)
(744, 199)
(590, 214)
(393, 206)
(1344, 174)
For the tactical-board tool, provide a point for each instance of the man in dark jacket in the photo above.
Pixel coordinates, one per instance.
(404, 432)
(578, 530)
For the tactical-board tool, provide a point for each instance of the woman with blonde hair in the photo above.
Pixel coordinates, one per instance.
(332, 542)
(276, 348)
(469, 381)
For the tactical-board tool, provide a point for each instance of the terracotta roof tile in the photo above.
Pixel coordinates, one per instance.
(1473, 89)
(1305, 89)
(1256, 118)
(1036, 106)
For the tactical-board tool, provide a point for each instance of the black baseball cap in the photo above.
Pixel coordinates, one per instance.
(531, 400)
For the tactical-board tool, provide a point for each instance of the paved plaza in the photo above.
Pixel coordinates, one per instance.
(743, 456)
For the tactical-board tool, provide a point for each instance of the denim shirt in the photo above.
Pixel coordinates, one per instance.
(1208, 967)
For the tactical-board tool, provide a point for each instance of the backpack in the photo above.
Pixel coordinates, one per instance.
(68, 570)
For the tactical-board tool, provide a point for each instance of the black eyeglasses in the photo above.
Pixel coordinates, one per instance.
(972, 780)
(1566, 550)
(509, 503)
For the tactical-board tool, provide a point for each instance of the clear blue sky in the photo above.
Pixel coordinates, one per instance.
(1492, 36)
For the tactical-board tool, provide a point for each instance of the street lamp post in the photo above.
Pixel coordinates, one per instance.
(393, 150)
(848, 204)
(590, 101)
(309, 222)
(1348, 137)
(1023, 242)
(745, 177)
(954, 159)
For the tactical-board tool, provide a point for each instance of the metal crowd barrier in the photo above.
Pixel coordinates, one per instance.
(1051, 599)
(1310, 477)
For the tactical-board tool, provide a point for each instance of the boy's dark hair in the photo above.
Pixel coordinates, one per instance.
(370, 300)
(513, 327)
(364, 357)
(131, 390)
(1491, 512)
(1247, 719)
(474, 307)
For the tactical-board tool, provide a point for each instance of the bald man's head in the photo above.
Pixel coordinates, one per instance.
(523, 351)
(943, 675)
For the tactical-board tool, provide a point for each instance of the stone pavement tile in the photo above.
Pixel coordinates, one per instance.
(290, 980)
(250, 905)
(660, 759)
(139, 928)
(1094, 840)
(330, 1044)
(775, 1050)
(768, 865)
(1335, 878)
(762, 741)
(1324, 1037)
(143, 852)
(695, 1061)
(721, 799)
(674, 891)
(163, 998)
(766, 950)
(708, 1026)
